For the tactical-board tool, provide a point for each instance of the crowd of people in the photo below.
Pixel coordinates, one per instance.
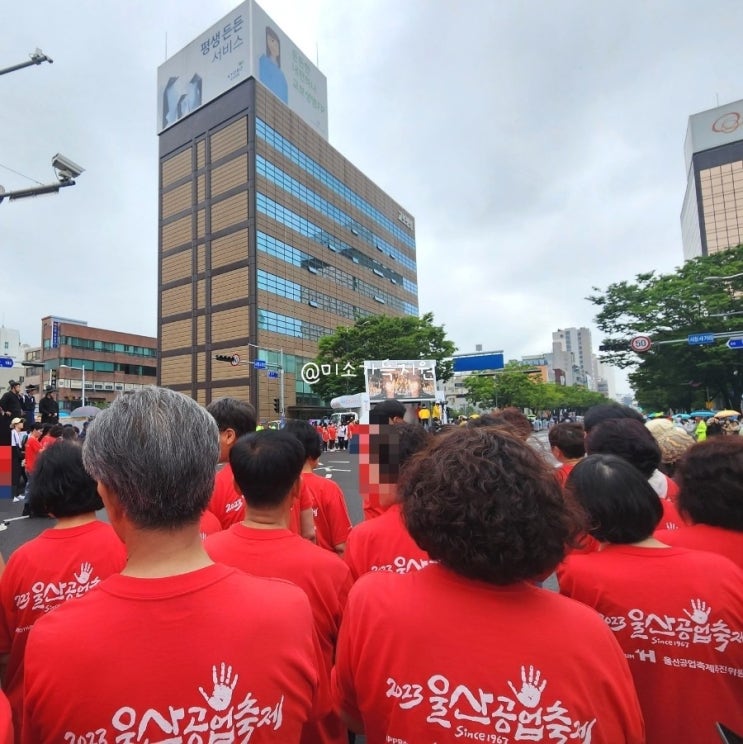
(229, 598)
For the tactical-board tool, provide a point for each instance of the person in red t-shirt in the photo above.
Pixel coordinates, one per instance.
(710, 477)
(332, 434)
(267, 467)
(468, 648)
(62, 563)
(175, 645)
(234, 418)
(567, 444)
(31, 453)
(383, 543)
(679, 630)
(332, 523)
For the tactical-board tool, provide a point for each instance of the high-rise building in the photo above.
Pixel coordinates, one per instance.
(572, 355)
(712, 212)
(269, 238)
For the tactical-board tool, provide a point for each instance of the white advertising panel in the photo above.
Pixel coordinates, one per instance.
(407, 380)
(718, 126)
(245, 43)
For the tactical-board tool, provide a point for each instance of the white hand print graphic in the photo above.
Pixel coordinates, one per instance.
(84, 576)
(531, 691)
(699, 611)
(222, 693)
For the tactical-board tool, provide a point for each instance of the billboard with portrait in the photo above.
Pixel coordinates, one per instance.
(245, 43)
(408, 380)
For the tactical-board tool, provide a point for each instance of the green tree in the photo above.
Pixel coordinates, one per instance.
(511, 386)
(669, 308)
(379, 337)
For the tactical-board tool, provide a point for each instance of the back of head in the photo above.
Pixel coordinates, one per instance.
(386, 411)
(710, 478)
(627, 438)
(390, 446)
(569, 438)
(231, 413)
(673, 444)
(486, 506)
(266, 466)
(307, 435)
(61, 486)
(606, 411)
(157, 451)
(519, 422)
(619, 503)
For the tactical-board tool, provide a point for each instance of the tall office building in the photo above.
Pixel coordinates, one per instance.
(572, 355)
(269, 238)
(712, 212)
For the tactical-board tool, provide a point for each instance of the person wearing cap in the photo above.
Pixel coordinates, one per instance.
(29, 406)
(10, 405)
(48, 407)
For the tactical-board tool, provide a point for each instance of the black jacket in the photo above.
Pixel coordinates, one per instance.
(11, 404)
(49, 410)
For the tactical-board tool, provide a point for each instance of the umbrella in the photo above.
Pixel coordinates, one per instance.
(85, 412)
(727, 414)
(703, 414)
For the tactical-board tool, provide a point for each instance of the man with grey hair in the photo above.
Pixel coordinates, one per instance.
(175, 647)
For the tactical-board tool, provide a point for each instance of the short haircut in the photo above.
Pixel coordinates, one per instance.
(714, 429)
(231, 413)
(308, 437)
(569, 438)
(710, 478)
(383, 412)
(69, 432)
(487, 506)
(60, 485)
(607, 411)
(157, 450)
(55, 431)
(620, 505)
(266, 465)
(627, 438)
(36, 426)
(391, 446)
(517, 419)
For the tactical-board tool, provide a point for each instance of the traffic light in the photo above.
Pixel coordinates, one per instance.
(276, 405)
(223, 357)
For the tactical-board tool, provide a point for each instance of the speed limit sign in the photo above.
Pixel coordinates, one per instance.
(640, 344)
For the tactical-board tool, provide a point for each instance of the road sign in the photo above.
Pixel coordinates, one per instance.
(735, 343)
(259, 364)
(6, 361)
(640, 344)
(273, 373)
(235, 360)
(697, 339)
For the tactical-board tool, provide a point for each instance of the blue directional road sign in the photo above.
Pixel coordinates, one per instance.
(6, 362)
(735, 343)
(259, 364)
(274, 373)
(697, 339)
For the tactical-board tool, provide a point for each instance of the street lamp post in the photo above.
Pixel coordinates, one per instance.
(81, 368)
(281, 374)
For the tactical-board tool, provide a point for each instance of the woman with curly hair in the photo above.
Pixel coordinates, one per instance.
(469, 647)
(710, 477)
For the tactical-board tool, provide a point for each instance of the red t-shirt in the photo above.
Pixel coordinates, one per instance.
(33, 447)
(209, 655)
(706, 537)
(429, 656)
(58, 565)
(324, 578)
(383, 544)
(332, 523)
(226, 503)
(562, 473)
(208, 524)
(6, 721)
(681, 632)
(304, 503)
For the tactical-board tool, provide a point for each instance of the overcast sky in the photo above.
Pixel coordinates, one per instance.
(538, 144)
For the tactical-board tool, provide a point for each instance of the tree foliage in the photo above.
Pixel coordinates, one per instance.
(379, 337)
(669, 308)
(515, 386)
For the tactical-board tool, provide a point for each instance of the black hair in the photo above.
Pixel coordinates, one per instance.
(620, 505)
(231, 413)
(627, 438)
(383, 412)
(60, 485)
(569, 438)
(308, 437)
(266, 465)
(596, 415)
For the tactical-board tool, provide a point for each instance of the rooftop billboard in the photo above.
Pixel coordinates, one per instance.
(245, 43)
(718, 126)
